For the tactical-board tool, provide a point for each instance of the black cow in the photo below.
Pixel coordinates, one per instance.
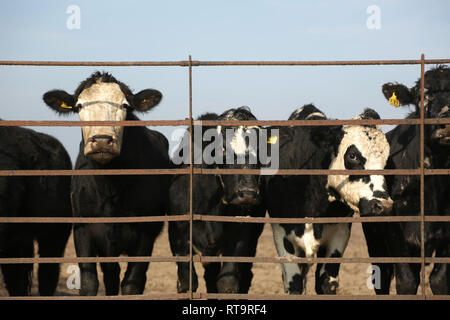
(102, 97)
(43, 196)
(221, 195)
(404, 239)
(300, 196)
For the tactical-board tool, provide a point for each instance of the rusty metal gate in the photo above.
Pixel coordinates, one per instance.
(191, 171)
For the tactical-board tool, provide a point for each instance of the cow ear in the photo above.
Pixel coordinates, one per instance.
(146, 100)
(397, 94)
(60, 101)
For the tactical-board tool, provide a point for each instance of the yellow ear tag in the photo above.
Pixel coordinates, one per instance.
(272, 140)
(65, 106)
(394, 101)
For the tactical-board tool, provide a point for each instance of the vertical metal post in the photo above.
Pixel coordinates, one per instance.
(422, 176)
(191, 176)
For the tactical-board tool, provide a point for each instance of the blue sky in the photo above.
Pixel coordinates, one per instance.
(219, 30)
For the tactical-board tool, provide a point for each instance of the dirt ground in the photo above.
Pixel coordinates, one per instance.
(161, 276)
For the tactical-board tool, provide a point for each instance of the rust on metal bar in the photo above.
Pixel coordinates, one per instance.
(94, 63)
(319, 63)
(166, 123)
(239, 296)
(294, 259)
(93, 259)
(168, 296)
(191, 183)
(184, 217)
(62, 123)
(90, 172)
(422, 173)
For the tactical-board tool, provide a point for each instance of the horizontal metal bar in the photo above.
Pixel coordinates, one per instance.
(90, 172)
(317, 63)
(94, 259)
(239, 296)
(326, 122)
(208, 259)
(62, 123)
(197, 63)
(248, 219)
(237, 219)
(168, 296)
(95, 63)
(292, 259)
(183, 217)
(311, 172)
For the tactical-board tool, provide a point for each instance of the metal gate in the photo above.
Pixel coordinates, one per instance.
(191, 171)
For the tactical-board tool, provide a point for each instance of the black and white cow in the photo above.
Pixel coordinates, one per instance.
(44, 196)
(102, 97)
(300, 196)
(221, 195)
(404, 239)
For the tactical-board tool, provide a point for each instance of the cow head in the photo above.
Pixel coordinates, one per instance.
(358, 147)
(102, 98)
(436, 101)
(241, 143)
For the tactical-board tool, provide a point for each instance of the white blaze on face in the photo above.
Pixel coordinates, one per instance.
(373, 146)
(239, 144)
(102, 102)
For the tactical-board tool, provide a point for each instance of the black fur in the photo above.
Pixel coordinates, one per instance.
(40, 196)
(215, 238)
(403, 239)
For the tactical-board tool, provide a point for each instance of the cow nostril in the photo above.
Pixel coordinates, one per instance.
(376, 207)
(247, 193)
(105, 138)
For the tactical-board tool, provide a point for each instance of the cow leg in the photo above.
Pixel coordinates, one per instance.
(179, 245)
(135, 276)
(375, 238)
(292, 273)
(337, 236)
(17, 277)
(51, 244)
(440, 276)
(211, 275)
(88, 271)
(111, 278)
(248, 250)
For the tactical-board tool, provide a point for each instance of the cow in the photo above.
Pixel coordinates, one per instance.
(102, 97)
(315, 196)
(403, 239)
(219, 195)
(32, 196)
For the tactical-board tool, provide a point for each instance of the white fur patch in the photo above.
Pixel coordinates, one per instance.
(239, 144)
(373, 145)
(102, 102)
(315, 114)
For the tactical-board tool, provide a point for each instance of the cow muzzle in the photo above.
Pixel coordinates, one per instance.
(246, 196)
(375, 207)
(102, 148)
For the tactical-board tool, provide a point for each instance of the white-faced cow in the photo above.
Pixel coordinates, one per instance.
(44, 196)
(404, 239)
(102, 97)
(300, 196)
(220, 195)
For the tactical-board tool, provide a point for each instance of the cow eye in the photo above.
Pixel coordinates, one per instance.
(352, 156)
(78, 107)
(125, 106)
